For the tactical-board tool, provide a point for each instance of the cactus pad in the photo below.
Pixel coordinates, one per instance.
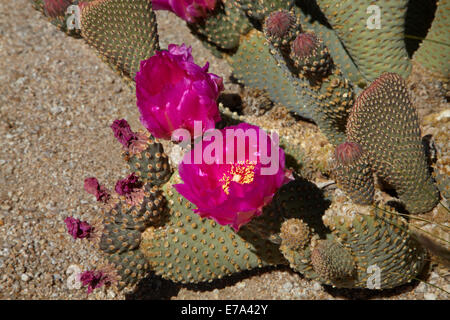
(353, 172)
(375, 49)
(189, 248)
(124, 32)
(434, 51)
(130, 266)
(150, 163)
(385, 124)
(223, 27)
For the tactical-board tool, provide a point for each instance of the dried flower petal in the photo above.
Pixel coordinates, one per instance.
(94, 279)
(92, 186)
(78, 229)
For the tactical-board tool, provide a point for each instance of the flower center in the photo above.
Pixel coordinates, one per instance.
(240, 172)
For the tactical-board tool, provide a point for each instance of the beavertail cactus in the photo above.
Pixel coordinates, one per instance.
(385, 125)
(123, 32)
(373, 34)
(281, 27)
(364, 240)
(353, 172)
(149, 227)
(310, 56)
(205, 221)
(332, 261)
(318, 91)
(145, 156)
(434, 51)
(260, 9)
(64, 14)
(221, 29)
(328, 93)
(116, 28)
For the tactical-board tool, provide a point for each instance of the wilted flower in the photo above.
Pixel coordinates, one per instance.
(93, 279)
(92, 186)
(132, 142)
(173, 92)
(128, 185)
(78, 229)
(131, 188)
(233, 192)
(188, 10)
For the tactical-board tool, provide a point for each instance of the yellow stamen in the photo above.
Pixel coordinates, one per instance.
(240, 172)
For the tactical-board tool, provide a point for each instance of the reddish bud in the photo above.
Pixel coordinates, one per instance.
(348, 152)
(304, 45)
(279, 23)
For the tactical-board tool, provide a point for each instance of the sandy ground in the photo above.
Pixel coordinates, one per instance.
(57, 100)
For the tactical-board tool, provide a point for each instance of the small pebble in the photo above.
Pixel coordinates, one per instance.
(287, 287)
(317, 286)
(429, 296)
(25, 277)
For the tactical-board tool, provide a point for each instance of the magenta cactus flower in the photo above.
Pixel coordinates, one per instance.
(188, 10)
(78, 229)
(93, 279)
(92, 186)
(232, 184)
(173, 92)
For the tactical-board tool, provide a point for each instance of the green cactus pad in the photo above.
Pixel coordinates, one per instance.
(374, 50)
(366, 242)
(260, 66)
(254, 66)
(191, 249)
(260, 9)
(130, 266)
(384, 122)
(378, 239)
(223, 27)
(434, 51)
(329, 94)
(58, 15)
(295, 234)
(149, 209)
(315, 60)
(332, 261)
(280, 27)
(151, 164)
(356, 178)
(339, 54)
(115, 238)
(124, 32)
